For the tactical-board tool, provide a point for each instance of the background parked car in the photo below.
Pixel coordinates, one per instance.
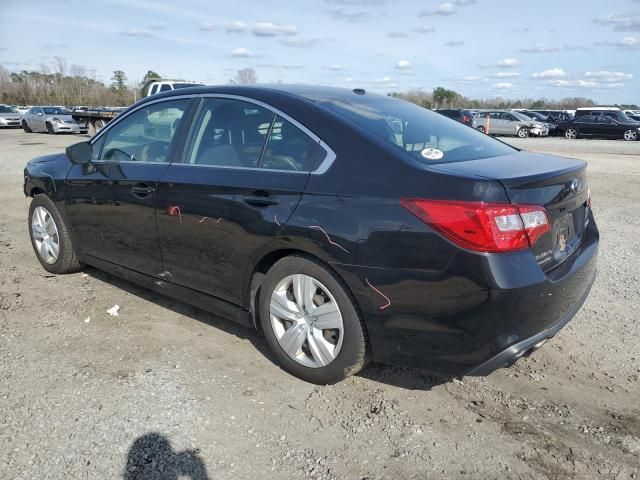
(51, 120)
(601, 126)
(612, 112)
(9, 117)
(557, 115)
(461, 115)
(539, 117)
(504, 122)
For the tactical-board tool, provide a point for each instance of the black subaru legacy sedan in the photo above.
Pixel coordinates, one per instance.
(349, 227)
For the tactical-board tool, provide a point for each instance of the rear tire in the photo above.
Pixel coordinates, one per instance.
(25, 127)
(571, 133)
(324, 347)
(43, 211)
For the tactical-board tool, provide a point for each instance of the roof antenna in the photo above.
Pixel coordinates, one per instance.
(359, 91)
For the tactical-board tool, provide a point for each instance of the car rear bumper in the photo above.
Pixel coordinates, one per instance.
(479, 313)
(526, 347)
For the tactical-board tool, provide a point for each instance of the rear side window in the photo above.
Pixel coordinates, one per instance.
(165, 87)
(233, 133)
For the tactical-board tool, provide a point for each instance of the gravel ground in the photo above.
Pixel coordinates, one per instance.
(168, 391)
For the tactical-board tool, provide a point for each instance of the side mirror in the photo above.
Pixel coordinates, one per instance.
(80, 153)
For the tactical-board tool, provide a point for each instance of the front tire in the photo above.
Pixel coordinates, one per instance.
(25, 127)
(571, 133)
(50, 129)
(310, 321)
(50, 237)
(630, 135)
(522, 132)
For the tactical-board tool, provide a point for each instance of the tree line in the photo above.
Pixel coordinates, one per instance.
(443, 98)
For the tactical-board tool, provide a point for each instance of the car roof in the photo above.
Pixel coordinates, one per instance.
(312, 93)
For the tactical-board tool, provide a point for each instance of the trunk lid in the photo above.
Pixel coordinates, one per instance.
(557, 183)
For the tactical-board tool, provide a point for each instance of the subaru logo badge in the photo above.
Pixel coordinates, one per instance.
(575, 185)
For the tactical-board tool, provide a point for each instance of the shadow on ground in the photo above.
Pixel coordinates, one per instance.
(152, 458)
(412, 379)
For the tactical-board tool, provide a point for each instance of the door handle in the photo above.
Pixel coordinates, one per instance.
(142, 190)
(260, 199)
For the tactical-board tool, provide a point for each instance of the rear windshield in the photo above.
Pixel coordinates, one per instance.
(425, 135)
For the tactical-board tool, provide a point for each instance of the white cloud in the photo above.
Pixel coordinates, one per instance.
(335, 67)
(424, 29)
(348, 79)
(621, 23)
(299, 42)
(444, 9)
(573, 83)
(463, 3)
(403, 65)
(508, 62)
(158, 26)
(242, 52)
(608, 77)
(626, 43)
(396, 34)
(503, 85)
(539, 48)
(136, 32)
(207, 26)
(506, 75)
(237, 27)
(268, 29)
(551, 73)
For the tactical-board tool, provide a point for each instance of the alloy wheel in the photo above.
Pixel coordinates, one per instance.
(630, 135)
(306, 320)
(523, 133)
(45, 235)
(571, 133)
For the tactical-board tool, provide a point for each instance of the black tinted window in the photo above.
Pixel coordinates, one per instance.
(288, 148)
(229, 133)
(145, 135)
(420, 133)
(165, 87)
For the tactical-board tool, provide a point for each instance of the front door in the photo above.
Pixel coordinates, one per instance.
(242, 174)
(111, 201)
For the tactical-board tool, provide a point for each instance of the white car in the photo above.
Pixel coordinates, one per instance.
(51, 120)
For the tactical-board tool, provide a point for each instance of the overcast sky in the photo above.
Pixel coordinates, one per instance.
(480, 48)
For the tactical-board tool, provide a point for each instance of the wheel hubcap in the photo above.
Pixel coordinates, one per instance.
(45, 235)
(306, 320)
(571, 134)
(629, 135)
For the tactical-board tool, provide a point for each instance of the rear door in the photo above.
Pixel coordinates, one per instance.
(111, 202)
(243, 171)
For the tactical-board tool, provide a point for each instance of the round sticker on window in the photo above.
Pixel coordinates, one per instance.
(432, 153)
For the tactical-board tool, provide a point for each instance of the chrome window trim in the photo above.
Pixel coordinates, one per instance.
(326, 163)
(253, 169)
(319, 170)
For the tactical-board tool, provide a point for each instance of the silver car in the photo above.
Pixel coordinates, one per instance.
(51, 120)
(9, 117)
(504, 122)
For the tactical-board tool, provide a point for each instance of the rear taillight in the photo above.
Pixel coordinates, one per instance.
(483, 227)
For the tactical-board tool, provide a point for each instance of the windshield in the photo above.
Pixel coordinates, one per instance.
(523, 117)
(56, 111)
(7, 109)
(425, 135)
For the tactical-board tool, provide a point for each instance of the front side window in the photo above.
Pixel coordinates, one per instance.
(56, 111)
(419, 128)
(146, 134)
(233, 133)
